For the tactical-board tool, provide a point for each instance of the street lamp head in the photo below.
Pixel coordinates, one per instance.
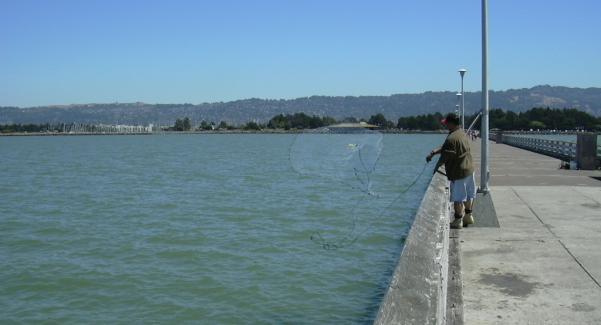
(462, 72)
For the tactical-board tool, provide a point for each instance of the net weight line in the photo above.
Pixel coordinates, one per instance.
(359, 177)
(351, 237)
(367, 174)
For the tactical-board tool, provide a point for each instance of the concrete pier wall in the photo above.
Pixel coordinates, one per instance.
(418, 288)
(586, 151)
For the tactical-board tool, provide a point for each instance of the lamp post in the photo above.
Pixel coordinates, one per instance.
(484, 124)
(459, 113)
(462, 73)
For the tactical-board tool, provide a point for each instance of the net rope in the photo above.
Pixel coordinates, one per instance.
(349, 157)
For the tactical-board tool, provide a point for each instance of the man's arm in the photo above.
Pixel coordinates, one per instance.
(433, 153)
(447, 151)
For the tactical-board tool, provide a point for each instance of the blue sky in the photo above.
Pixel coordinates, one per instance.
(61, 52)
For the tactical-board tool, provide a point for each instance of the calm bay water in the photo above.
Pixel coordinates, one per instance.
(212, 229)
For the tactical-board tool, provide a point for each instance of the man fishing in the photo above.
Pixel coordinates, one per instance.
(456, 156)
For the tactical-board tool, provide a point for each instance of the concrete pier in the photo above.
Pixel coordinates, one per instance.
(542, 265)
(418, 288)
(586, 151)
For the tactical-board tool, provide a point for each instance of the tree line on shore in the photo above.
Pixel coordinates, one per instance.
(536, 118)
(533, 119)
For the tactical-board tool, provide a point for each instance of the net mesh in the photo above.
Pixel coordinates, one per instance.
(348, 157)
(345, 155)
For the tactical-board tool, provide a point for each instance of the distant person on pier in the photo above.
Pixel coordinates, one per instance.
(472, 134)
(456, 156)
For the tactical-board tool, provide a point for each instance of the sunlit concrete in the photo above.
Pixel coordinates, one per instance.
(543, 264)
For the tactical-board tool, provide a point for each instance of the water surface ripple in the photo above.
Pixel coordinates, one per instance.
(204, 228)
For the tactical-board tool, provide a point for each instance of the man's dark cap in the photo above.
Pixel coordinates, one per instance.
(451, 118)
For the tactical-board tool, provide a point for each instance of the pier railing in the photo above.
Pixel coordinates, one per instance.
(584, 152)
(563, 150)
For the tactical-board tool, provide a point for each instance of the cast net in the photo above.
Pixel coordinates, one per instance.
(345, 159)
(345, 155)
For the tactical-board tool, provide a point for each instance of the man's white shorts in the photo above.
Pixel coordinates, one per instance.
(463, 189)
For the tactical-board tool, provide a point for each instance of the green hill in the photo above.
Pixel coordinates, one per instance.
(241, 111)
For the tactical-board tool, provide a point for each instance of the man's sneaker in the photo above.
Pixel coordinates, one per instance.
(457, 223)
(468, 219)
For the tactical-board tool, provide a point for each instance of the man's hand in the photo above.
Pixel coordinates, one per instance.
(432, 154)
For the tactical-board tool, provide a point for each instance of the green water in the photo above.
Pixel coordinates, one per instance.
(211, 229)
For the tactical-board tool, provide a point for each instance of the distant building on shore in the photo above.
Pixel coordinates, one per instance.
(363, 125)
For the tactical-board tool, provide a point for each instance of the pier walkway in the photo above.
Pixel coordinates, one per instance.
(542, 265)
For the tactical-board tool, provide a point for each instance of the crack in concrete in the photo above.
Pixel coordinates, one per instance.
(582, 266)
(557, 237)
(586, 196)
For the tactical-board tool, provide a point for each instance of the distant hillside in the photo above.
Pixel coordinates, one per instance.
(241, 111)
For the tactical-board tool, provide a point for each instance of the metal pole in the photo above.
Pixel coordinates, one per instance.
(484, 126)
(458, 106)
(462, 102)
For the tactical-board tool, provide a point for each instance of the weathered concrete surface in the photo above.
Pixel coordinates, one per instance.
(418, 289)
(543, 265)
(455, 284)
(510, 166)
